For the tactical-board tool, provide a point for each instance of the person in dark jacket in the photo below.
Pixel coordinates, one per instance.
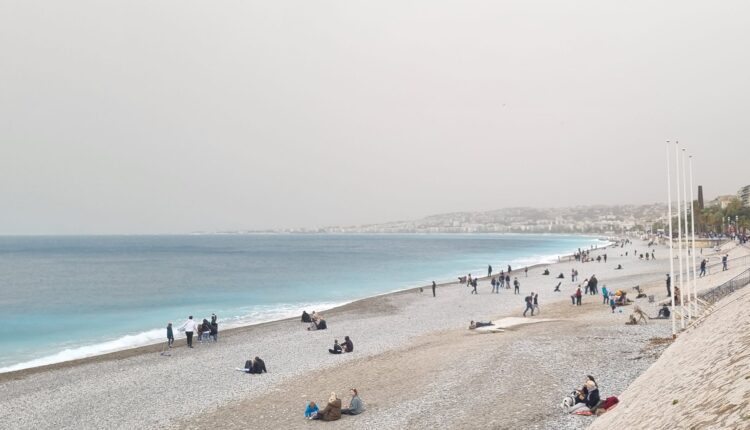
(214, 332)
(433, 288)
(306, 317)
(336, 347)
(348, 344)
(332, 412)
(170, 335)
(588, 399)
(256, 366)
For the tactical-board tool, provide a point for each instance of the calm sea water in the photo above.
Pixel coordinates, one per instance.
(69, 297)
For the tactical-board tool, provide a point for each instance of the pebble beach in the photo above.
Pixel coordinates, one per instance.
(415, 363)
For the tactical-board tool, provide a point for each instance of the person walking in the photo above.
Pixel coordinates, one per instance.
(433, 288)
(526, 271)
(703, 268)
(189, 328)
(474, 284)
(170, 335)
(536, 303)
(724, 261)
(578, 296)
(492, 282)
(507, 282)
(501, 280)
(529, 305)
(669, 285)
(516, 286)
(489, 270)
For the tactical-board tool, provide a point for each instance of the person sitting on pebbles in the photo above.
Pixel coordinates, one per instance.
(336, 347)
(311, 410)
(332, 411)
(255, 366)
(348, 345)
(588, 399)
(356, 406)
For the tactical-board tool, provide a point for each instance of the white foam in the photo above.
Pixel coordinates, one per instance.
(119, 344)
(256, 315)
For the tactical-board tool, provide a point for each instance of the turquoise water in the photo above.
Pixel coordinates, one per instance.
(69, 297)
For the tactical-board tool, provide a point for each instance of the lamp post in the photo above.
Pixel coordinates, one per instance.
(671, 243)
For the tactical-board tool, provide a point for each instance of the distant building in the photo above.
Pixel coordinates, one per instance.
(721, 201)
(744, 195)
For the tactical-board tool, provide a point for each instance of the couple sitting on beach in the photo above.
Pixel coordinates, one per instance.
(315, 319)
(333, 410)
(586, 401)
(348, 346)
(255, 366)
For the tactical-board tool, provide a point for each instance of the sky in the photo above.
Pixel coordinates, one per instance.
(149, 117)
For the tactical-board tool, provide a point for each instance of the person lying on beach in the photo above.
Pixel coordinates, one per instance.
(311, 410)
(473, 325)
(336, 347)
(306, 317)
(318, 325)
(332, 411)
(356, 406)
(619, 267)
(348, 345)
(560, 276)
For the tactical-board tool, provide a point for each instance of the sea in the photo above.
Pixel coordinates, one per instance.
(67, 297)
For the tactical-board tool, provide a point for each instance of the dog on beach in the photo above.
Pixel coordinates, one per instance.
(569, 401)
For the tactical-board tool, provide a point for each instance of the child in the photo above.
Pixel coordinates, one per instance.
(612, 302)
(311, 410)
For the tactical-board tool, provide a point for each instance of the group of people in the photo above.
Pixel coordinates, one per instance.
(205, 330)
(347, 346)
(254, 366)
(333, 410)
(315, 320)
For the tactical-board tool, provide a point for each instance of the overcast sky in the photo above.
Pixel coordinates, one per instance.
(178, 116)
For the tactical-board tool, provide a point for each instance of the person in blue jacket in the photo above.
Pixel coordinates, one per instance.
(311, 410)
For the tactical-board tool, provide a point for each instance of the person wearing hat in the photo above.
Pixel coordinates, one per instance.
(332, 411)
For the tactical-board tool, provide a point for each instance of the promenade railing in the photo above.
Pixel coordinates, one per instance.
(717, 293)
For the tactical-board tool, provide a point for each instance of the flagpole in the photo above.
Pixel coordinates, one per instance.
(679, 234)
(687, 236)
(671, 243)
(692, 227)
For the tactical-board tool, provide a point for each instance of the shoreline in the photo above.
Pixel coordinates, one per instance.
(181, 341)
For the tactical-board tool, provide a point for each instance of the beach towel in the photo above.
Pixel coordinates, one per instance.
(582, 412)
(488, 329)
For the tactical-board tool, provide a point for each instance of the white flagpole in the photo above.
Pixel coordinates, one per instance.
(671, 243)
(692, 227)
(679, 234)
(687, 237)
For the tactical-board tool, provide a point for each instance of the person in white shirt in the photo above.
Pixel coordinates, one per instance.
(189, 328)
